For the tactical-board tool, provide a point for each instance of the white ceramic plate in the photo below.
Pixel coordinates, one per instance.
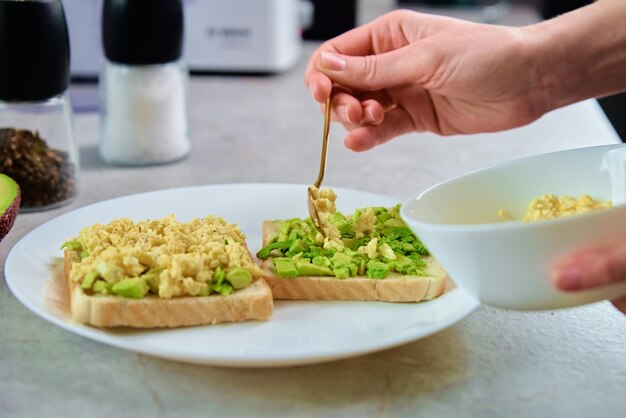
(298, 333)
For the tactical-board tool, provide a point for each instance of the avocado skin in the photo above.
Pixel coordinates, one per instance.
(7, 218)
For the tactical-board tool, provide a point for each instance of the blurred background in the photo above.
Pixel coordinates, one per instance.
(266, 37)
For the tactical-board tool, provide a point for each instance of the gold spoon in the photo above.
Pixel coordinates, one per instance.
(320, 176)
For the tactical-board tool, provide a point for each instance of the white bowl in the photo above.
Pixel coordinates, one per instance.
(507, 264)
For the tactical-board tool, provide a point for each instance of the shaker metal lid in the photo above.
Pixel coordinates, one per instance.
(142, 31)
(34, 50)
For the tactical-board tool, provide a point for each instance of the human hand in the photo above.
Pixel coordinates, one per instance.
(591, 268)
(407, 72)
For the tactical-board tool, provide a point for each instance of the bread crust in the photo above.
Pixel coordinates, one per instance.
(251, 303)
(395, 288)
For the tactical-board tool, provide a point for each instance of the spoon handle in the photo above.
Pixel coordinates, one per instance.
(320, 176)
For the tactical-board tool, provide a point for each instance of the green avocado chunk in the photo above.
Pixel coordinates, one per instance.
(309, 269)
(134, 288)
(76, 246)
(152, 279)
(239, 277)
(220, 285)
(377, 270)
(102, 287)
(321, 261)
(280, 245)
(72, 245)
(285, 267)
(89, 279)
(339, 220)
(223, 289)
(298, 246)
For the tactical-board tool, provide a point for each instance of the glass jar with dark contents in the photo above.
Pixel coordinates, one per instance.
(37, 147)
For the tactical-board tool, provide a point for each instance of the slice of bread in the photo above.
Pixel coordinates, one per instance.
(253, 302)
(395, 288)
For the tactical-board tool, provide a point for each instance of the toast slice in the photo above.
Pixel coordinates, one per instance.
(395, 288)
(252, 302)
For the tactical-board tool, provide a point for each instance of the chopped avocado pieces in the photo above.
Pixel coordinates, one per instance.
(394, 222)
(219, 275)
(321, 261)
(280, 245)
(76, 246)
(340, 258)
(134, 288)
(238, 277)
(296, 247)
(342, 272)
(377, 270)
(343, 225)
(373, 242)
(306, 268)
(219, 284)
(223, 289)
(89, 279)
(285, 267)
(152, 279)
(109, 278)
(224, 283)
(72, 245)
(102, 287)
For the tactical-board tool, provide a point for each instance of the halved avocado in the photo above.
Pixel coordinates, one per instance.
(9, 203)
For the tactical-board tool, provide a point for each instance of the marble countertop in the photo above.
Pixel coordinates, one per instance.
(494, 363)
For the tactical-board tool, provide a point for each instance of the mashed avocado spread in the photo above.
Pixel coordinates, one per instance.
(371, 242)
(163, 257)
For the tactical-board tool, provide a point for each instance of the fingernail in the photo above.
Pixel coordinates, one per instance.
(344, 111)
(370, 113)
(333, 62)
(570, 279)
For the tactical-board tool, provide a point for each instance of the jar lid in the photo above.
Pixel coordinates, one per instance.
(34, 50)
(142, 32)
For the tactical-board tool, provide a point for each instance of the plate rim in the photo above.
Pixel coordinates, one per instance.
(103, 337)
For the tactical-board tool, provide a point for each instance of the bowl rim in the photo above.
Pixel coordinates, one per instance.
(508, 225)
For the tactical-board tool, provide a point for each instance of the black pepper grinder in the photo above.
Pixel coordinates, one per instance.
(37, 147)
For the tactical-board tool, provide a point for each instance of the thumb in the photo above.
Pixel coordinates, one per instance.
(376, 72)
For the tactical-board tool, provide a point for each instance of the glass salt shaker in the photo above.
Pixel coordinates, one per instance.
(143, 84)
(37, 147)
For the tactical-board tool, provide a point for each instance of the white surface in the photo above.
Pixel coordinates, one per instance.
(298, 333)
(507, 264)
